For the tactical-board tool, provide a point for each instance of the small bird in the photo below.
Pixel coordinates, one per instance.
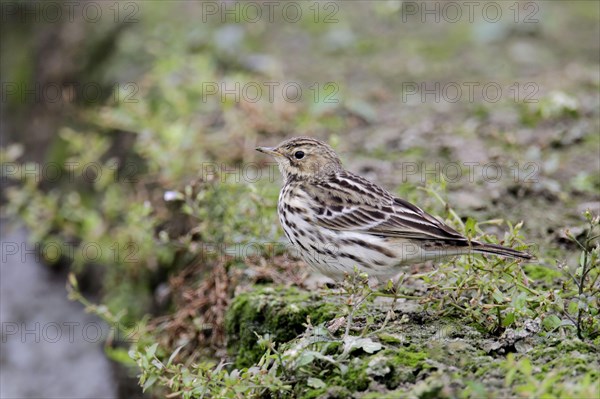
(339, 221)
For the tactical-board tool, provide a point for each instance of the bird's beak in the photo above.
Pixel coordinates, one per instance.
(269, 151)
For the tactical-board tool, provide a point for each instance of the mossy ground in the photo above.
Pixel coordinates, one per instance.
(279, 312)
(421, 356)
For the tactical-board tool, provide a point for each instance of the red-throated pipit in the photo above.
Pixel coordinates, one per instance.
(339, 221)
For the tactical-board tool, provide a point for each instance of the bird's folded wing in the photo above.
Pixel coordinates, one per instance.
(349, 209)
(373, 221)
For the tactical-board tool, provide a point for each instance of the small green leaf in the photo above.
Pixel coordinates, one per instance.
(510, 375)
(315, 383)
(366, 344)
(497, 295)
(151, 350)
(119, 355)
(520, 301)
(470, 227)
(149, 382)
(306, 357)
(174, 354)
(73, 280)
(525, 366)
(508, 319)
(581, 263)
(573, 307)
(551, 322)
(158, 364)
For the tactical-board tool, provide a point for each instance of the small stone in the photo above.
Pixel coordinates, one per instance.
(335, 324)
(378, 366)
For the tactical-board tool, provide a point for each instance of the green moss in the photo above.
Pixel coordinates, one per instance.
(569, 368)
(314, 393)
(356, 378)
(405, 364)
(332, 392)
(399, 365)
(409, 357)
(569, 357)
(399, 393)
(563, 347)
(439, 347)
(280, 312)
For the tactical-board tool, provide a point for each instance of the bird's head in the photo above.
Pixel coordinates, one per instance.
(304, 158)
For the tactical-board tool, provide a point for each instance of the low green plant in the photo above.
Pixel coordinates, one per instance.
(524, 377)
(499, 294)
(494, 293)
(578, 302)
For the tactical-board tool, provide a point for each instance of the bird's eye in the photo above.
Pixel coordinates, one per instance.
(299, 154)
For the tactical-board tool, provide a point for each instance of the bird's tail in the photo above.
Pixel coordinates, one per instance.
(500, 250)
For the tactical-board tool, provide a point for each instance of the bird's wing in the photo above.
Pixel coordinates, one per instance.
(355, 204)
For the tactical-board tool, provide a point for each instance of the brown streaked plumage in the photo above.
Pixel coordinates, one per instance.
(338, 220)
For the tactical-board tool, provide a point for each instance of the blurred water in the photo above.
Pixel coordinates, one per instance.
(50, 348)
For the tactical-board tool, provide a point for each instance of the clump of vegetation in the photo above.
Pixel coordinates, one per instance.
(438, 332)
(294, 342)
(495, 293)
(393, 349)
(160, 203)
(579, 300)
